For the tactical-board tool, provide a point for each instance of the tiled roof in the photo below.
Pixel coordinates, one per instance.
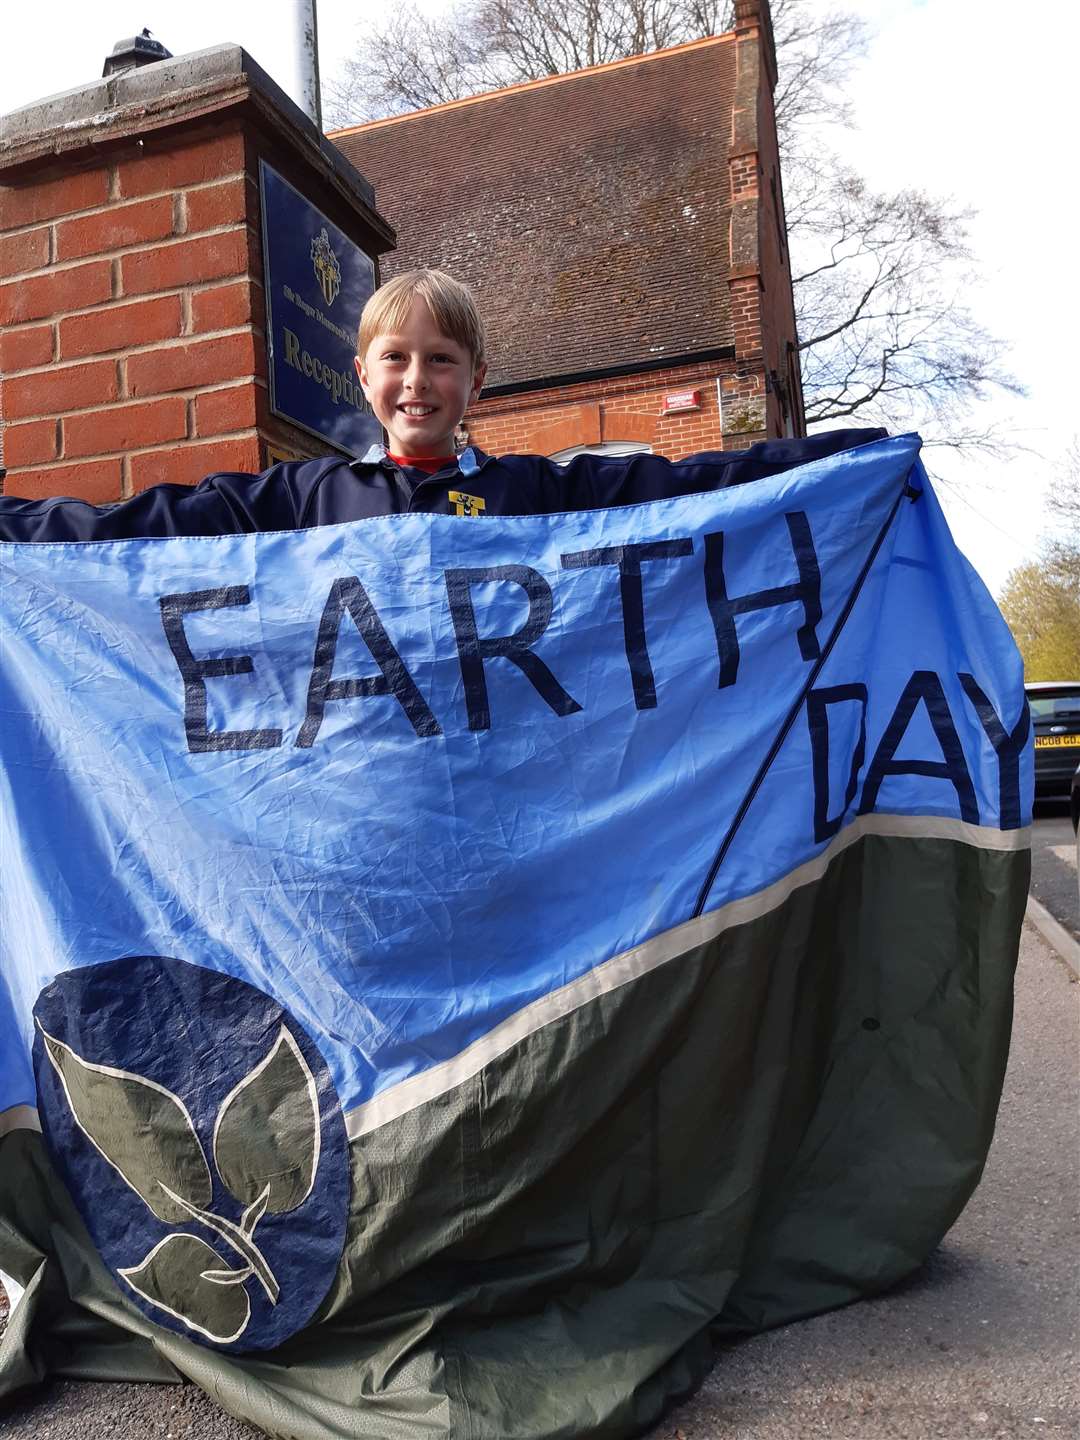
(589, 211)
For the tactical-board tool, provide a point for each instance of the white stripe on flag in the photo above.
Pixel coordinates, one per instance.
(409, 1094)
(19, 1117)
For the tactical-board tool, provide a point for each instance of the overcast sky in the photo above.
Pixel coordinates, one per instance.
(968, 98)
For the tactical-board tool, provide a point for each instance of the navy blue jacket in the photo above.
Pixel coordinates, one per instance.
(300, 494)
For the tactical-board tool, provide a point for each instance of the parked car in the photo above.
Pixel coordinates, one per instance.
(1055, 719)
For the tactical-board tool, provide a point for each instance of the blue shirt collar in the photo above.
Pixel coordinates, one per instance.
(469, 461)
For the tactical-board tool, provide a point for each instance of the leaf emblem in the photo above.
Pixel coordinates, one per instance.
(266, 1139)
(142, 1129)
(185, 1277)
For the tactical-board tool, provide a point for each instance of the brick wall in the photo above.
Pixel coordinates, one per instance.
(127, 345)
(132, 308)
(778, 329)
(627, 407)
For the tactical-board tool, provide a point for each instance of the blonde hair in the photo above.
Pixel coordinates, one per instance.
(450, 302)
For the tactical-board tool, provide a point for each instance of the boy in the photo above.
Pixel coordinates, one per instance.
(421, 364)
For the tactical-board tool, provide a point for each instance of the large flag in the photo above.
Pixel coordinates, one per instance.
(457, 968)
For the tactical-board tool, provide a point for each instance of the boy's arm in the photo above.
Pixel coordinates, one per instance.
(228, 503)
(651, 477)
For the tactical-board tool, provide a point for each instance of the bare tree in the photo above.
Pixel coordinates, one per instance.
(412, 58)
(408, 60)
(1063, 502)
(879, 279)
(815, 50)
(884, 330)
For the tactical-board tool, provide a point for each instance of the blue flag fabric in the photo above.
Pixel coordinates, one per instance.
(399, 793)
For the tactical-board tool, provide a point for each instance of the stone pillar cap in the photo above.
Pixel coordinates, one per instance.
(138, 50)
(179, 90)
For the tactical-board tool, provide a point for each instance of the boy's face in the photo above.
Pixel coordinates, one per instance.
(419, 383)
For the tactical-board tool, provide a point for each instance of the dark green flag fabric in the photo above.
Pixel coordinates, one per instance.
(457, 970)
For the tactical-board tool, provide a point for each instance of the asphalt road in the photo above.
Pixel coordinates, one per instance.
(981, 1343)
(1053, 863)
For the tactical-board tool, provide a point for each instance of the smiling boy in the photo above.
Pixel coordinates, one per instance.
(421, 363)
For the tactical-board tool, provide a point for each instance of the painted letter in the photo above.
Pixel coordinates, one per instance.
(629, 559)
(817, 715)
(195, 672)
(393, 679)
(473, 651)
(806, 591)
(1008, 747)
(925, 688)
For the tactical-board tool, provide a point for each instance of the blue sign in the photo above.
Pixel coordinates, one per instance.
(317, 283)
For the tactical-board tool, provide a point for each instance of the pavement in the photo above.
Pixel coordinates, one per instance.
(982, 1342)
(1053, 864)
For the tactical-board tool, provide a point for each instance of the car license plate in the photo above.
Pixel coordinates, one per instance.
(1046, 742)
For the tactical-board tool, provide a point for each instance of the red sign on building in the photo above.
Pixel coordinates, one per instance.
(681, 400)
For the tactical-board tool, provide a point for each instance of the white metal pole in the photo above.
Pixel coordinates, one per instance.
(302, 81)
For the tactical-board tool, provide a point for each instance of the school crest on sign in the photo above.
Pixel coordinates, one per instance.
(326, 266)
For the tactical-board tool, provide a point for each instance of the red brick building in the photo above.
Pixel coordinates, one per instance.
(623, 229)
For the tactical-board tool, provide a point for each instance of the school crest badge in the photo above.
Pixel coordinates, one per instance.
(466, 504)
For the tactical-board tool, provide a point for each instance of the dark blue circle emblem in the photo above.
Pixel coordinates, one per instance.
(199, 1132)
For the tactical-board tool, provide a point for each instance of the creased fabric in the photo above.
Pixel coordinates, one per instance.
(456, 968)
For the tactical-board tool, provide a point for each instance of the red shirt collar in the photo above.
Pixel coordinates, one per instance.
(422, 462)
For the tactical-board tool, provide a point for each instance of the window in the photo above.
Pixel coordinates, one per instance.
(1054, 703)
(612, 448)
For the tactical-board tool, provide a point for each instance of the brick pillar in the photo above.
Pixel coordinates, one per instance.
(132, 318)
(764, 396)
(743, 392)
